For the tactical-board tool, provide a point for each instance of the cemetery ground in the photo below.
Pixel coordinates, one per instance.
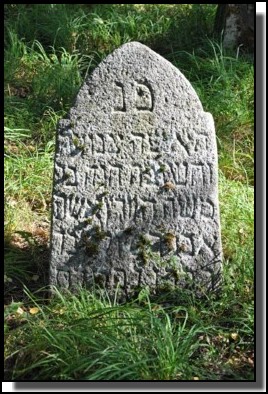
(49, 50)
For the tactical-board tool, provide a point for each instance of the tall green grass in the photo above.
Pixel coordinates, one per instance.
(224, 83)
(108, 342)
(104, 27)
(90, 337)
(28, 174)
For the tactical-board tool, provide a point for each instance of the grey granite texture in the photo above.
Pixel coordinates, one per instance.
(135, 195)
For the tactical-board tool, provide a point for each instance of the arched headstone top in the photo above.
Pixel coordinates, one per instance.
(135, 78)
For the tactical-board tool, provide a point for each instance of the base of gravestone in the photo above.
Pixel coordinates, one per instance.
(166, 293)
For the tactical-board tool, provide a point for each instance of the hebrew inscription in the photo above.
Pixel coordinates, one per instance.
(135, 198)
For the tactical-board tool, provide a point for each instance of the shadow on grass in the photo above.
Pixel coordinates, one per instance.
(163, 27)
(26, 264)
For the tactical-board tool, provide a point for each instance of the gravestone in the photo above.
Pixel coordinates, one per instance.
(135, 198)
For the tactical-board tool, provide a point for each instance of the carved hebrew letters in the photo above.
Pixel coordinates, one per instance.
(144, 97)
(135, 200)
(142, 94)
(119, 95)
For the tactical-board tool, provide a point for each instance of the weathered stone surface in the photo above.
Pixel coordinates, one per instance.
(135, 199)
